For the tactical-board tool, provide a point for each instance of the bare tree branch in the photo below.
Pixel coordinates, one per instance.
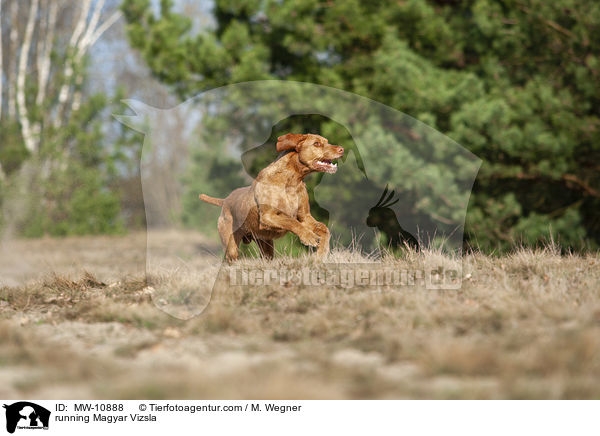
(81, 23)
(83, 44)
(105, 26)
(80, 28)
(44, 56)
(582, 184)
(93, 38)
(92, 32)
(80, 50)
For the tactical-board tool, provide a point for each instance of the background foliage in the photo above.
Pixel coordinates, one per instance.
(59, 150)
(515, 82)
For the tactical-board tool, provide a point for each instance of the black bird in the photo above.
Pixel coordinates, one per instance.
(384, 218)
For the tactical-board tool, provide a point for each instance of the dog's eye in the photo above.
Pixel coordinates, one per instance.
(317, 144)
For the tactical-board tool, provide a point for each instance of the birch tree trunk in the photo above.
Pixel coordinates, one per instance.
(11, 72)
(44, 56)
(23, 113)
(1, 71)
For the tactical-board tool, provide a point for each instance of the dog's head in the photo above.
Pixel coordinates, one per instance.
(314, 151)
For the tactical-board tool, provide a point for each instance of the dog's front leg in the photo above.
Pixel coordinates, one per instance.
(321, 231)
(317, 227)
(270, 218)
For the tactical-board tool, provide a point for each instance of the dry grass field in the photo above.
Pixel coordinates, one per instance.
(77, 321)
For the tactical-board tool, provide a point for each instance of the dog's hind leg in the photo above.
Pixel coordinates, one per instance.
(229, 241)
(266, 248)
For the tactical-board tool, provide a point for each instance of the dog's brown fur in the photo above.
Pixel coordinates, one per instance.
(277, 201)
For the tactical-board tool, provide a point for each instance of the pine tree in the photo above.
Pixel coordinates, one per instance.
(514, 81)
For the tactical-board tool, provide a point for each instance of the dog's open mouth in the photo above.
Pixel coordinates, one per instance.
(326, 165)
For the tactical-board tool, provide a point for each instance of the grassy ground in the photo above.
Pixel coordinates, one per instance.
(522, 326)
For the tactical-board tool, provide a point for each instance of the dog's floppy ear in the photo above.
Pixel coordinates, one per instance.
(289, 141)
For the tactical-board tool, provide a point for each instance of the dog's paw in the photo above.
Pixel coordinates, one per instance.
(320, 228)
(310, 239)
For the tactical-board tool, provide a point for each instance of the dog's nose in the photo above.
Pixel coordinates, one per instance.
(340, 150)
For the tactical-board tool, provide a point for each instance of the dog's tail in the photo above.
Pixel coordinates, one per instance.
(212, 200)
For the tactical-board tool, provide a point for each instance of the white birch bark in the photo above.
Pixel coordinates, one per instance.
(1, 72)
(80, 28)
(11, 73)
(92, 32)
(81, 23)
(91, 40)
(23, 113)
(104, 27)
(82, 45)
(44, 54)
(80, 50)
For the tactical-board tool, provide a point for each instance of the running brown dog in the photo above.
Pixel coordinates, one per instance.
(277, 200)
